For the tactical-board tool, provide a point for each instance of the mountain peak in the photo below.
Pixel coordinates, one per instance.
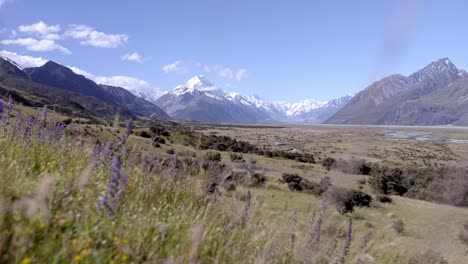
(8, 66)
(198, 82)
(444, 64)
(54, 64)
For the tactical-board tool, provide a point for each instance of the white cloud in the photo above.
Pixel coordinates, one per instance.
(82, 72)
(130, 83)
(224, 72)
(132, 57)
(41, 30)
(127, 82)
(206, 68)
(91, 37)
(31, 44)
(23, 61)
(241, 74)
(174, 67)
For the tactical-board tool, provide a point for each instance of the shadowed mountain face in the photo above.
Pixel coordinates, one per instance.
(56, 75)
(136, 105)
(72, 94)
(15, 83)
(409, 100)
(8, 67)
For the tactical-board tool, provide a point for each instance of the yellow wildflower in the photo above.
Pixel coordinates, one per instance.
(123, 258)
(26, 261)
(74, 242)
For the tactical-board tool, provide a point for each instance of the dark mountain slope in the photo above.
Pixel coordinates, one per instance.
(402, 100)
(59, 76)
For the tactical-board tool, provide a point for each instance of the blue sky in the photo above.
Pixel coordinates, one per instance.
(280, 50)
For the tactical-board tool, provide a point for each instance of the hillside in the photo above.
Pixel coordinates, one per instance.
(400, 100)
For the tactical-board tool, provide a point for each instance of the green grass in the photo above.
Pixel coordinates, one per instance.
(50, 192)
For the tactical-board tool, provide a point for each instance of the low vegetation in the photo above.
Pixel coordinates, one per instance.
(65, 198)
(84, 193)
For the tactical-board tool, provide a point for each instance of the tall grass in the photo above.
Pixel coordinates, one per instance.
(62, 201)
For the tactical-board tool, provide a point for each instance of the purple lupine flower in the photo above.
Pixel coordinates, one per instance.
(347, 242)
(318, 228)
(245, 213)
(107, 150)
(115, 188)
(41, 123)
(128, 131)
(97, 155)
(7, 116)
(18, 124)
(59, 130)
(1, 108)
(28, 129)
(292, 238)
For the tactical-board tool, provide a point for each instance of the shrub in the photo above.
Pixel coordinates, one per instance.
(297, 183)
(67, 121)
(388, 181)
(160, 131)
(328, 163)
(364, 169)
(236, 157)
(143, 134)
(384, 198)
(170, 151)
(212, 156)
(159, 140)
(257, 179)
(346, 200)
(398, 225)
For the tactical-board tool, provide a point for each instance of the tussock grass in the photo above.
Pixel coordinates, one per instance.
(51, 188)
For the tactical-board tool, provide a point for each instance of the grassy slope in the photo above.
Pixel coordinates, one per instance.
(59, 222)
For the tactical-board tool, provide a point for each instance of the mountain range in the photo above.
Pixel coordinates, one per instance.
(200, 100)
(434, 95)
(59, 87)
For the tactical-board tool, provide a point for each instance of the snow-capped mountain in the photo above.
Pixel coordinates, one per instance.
(200, 100)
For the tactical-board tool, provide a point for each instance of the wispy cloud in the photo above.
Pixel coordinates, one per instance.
(226, 72)
(23, 61)
(241, 74)
(132, 57)
(32, 44)
(88, 36)
(175, 67)
(41, 30)
(127, 82)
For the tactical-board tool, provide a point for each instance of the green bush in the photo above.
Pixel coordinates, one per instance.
(212, 156)
(345, 200)
(328, 163)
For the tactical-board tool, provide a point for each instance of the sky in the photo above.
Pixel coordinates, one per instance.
(280, 50)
